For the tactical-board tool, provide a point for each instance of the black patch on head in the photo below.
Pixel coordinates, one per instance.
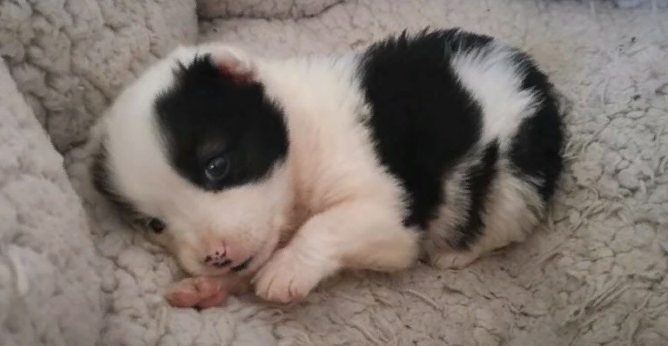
(478, 180)
(103, 182)
(207, 114)
(422, 119)
(537, 148)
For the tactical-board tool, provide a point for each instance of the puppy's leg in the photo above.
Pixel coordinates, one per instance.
(351, 235)
(512, 210)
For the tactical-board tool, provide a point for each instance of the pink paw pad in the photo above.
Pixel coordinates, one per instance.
(199, 292)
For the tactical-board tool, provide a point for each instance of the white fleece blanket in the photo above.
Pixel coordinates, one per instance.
(48, 282)
(593, 274)
(71, 57)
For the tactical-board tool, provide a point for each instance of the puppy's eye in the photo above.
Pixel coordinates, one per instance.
(156, 225)
(217, 168)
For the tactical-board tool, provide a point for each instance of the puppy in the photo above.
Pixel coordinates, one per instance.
(284, 172)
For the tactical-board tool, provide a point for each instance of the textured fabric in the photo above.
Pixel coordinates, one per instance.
(49, 285)
(70, 57)
(263, 9)
(593, 273)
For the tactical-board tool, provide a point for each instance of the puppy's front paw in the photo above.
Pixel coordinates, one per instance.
(287, 277)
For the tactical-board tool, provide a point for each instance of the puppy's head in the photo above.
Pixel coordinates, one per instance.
(193, 153)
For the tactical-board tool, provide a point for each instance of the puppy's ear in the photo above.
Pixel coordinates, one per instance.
(234, 64)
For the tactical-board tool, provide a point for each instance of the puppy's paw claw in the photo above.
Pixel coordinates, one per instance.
(453, 260)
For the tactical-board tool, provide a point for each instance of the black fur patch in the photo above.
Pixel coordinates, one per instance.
(208, 113)
(423, 121)
(536, 150)
(478, 180)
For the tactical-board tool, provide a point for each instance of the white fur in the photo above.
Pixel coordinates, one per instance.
(494, 80)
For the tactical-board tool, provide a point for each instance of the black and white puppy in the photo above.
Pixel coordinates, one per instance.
(446, 143)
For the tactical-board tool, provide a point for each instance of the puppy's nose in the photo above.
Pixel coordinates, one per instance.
(222, 255)
(217, 256)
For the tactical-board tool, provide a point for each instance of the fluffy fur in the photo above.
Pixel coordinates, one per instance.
(287, 171)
